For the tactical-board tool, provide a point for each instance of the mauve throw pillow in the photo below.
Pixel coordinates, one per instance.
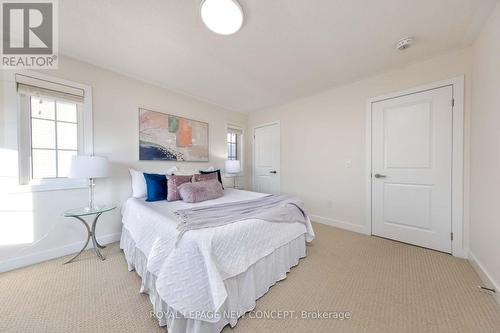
(203, 177)
(174, 182)
(201, 191)
(217, 172)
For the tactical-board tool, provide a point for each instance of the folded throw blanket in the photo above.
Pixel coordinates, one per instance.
(272, 208)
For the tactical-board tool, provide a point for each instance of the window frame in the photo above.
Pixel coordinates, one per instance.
(85, 137)
(240, 140)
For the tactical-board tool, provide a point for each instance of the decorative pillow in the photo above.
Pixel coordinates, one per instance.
(203, 177)
(156, 187)
(185, 172)
(175, 181)
(172, 171)
(138, 184)
(219, 177)
(201, 191)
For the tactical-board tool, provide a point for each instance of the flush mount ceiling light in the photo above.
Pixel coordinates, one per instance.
(224, 17)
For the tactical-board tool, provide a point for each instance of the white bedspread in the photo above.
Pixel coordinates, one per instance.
(190, 276)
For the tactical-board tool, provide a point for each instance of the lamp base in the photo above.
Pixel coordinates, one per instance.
(90, 206)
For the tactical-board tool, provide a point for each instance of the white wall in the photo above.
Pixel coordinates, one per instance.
(320, 133)
(485, 152)
(116, 100)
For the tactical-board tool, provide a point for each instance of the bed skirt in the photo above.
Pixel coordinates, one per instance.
(243, 290)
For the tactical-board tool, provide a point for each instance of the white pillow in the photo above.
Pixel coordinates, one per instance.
(187, 172)
(139, 189)
(172, 170)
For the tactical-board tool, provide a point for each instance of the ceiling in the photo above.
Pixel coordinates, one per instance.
(286, 49)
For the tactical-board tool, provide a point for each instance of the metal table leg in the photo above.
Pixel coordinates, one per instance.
(93, 232)
(86, 243)
(90, 234)
(94, 241)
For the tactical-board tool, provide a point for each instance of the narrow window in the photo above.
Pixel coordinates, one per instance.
(234, 142)
(232, 146)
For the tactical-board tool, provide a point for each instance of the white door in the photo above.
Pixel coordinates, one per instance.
(267, 154)
(412, 168)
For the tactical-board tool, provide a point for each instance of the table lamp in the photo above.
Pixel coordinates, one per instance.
(233, 168)
(89, 167)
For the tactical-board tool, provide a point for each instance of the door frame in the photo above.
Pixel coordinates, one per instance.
(276, 122)
(457, 193)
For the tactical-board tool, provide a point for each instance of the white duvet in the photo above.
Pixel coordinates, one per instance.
(190, 276)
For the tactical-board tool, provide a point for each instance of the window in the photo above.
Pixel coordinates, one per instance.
(232, 146)
(55, 125)
(234, 142)
(54, 137)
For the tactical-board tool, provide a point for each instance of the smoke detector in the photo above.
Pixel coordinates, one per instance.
(404, 43)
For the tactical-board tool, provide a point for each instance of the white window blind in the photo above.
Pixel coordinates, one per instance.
(235, 130)
(42, 88)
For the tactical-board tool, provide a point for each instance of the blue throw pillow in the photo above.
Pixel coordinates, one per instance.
(156, 187)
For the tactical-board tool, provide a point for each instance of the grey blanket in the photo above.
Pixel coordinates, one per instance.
(272, 208)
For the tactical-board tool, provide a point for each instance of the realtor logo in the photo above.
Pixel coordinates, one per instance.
(29, 34)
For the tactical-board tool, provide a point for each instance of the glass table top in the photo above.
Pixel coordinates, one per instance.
(83, 211)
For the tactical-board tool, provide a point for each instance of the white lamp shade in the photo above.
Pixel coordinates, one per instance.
(233, 166)
(89, 167)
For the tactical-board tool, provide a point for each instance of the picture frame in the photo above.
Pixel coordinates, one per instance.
(168, 137)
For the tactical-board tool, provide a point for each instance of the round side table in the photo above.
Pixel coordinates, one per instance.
(79, 213)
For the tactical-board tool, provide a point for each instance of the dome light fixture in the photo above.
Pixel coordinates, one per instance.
(224, 17)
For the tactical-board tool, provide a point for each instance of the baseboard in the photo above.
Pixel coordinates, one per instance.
(484, 275)
(45, 255)
(460, 253)
(340, 224)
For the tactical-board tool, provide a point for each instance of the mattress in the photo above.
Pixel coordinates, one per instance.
(190, 276)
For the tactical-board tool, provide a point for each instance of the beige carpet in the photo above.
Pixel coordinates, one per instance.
(387, 287)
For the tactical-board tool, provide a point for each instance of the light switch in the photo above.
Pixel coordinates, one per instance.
(348, 164)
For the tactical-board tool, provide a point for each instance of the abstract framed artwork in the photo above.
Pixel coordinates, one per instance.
(165, 137)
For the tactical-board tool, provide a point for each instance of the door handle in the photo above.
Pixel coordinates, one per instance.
(377, 175)
(274, 171)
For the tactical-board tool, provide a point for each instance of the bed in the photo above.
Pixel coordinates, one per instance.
(210, 277)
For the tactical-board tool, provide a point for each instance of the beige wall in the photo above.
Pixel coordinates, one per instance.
(485, 151)
(320, 133)
(116, 99)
